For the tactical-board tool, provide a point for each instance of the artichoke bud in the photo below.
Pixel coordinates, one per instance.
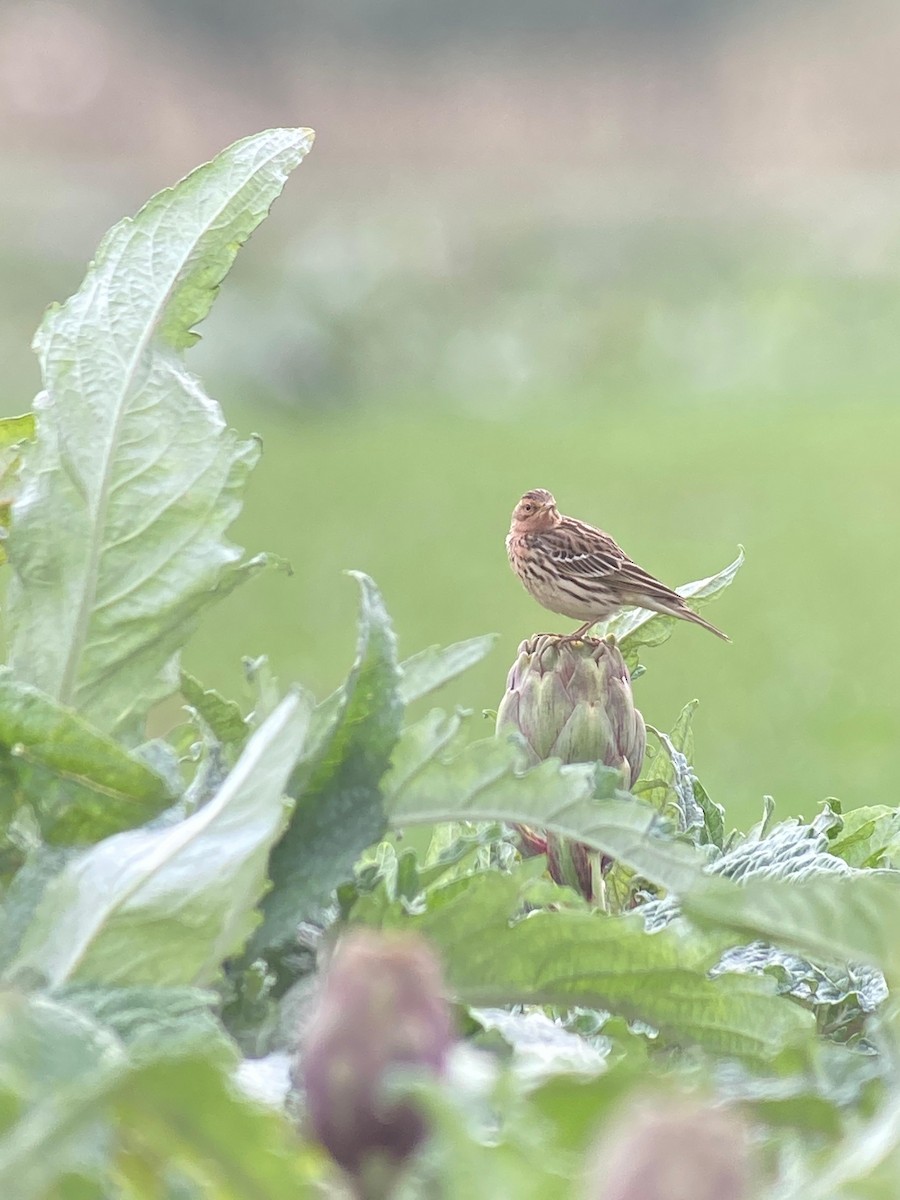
(381, 1006)
(573, 701)
(671, 1151)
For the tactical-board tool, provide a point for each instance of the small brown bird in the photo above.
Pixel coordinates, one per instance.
(576, 570)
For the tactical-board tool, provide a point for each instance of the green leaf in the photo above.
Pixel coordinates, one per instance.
(514, 1158)
(830, 917)
(436, 776)
(224, 717)
(167, 906)
(635, 627)
(117, 537)
(339, 810)
(792, 849)
(152, 1021)
(869, 837)
(40, 866)
(430, 669)
(865, 1165)
(81, 785)
(570, 958)
(187, 1114)
(13, 432)
(669, 783)
(55, 1061)
(80, 1114)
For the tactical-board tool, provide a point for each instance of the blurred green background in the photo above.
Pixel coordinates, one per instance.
(645, 255)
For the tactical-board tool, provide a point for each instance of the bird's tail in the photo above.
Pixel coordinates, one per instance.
(687, 614)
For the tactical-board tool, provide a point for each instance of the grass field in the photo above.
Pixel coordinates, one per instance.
(803, 705)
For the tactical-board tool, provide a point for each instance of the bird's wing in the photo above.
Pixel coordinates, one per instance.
(582, 552)
(644, 587)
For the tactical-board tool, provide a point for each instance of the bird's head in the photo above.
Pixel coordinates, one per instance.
(535, 511)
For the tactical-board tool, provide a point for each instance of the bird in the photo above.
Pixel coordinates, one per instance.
(578, 571)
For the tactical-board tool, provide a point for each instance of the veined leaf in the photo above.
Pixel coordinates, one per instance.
(831, 917)
(430, 669)
(635, 627)
(572, 958)
(435, 776)
(339, 810)
(167, 906)
(118, 529)
(81, 785)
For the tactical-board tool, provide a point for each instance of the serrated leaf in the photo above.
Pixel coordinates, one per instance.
(713, 816)
(430, 669)
(682, 732)
(840, 995)
(117, 537)
(339, 809)
(223, 717)
(791, 850)
(869, 837)
(570, 958)
(831, 917)
(81, 785)
(634, 627)
(668, 782)
(167, 906)
(437, 776)
(670, 787)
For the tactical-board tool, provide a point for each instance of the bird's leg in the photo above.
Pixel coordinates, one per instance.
(580, 632)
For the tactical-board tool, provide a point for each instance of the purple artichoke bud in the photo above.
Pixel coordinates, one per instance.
(673, 1150)
(573, 701)
(381, 1006)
